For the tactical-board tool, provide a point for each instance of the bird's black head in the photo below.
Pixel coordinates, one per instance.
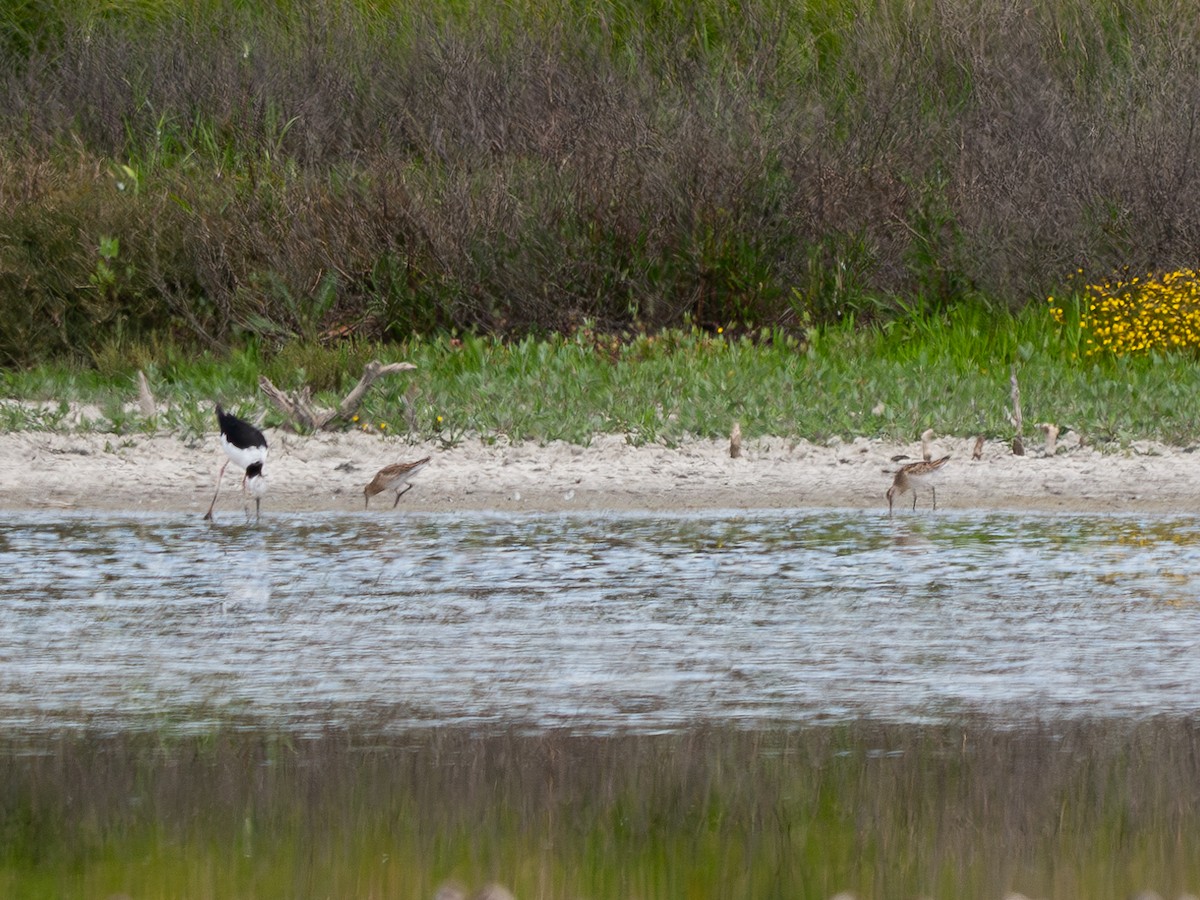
(254, 470)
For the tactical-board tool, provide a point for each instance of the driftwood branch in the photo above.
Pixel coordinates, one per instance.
(298, 406)
(371, 371)
(1018, 444)
(146, 403)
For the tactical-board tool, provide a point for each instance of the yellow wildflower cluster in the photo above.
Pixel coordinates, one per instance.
(367, 426)
(1136, 314)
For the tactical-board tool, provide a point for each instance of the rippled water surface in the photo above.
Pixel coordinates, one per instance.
(595, 621)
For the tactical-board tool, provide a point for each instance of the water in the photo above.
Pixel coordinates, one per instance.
(594, 622)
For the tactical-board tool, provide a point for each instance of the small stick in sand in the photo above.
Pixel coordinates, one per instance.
(735, 441)
(926, 442)
(1051, 432)
(145, 399)
(1018, 444)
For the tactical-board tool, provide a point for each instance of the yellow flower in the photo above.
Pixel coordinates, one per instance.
(1143, 313)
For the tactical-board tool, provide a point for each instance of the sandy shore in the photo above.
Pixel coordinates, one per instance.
(327, 472)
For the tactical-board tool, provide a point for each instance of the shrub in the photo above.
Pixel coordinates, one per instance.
(332, 168)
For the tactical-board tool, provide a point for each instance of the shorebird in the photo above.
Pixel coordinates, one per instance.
(912, 476)
(391, 478)
(245, 445)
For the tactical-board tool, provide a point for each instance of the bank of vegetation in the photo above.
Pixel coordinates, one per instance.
(882, 194)
(208, 173)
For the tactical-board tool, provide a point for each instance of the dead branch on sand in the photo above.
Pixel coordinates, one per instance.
(298, 408)
(146, 403)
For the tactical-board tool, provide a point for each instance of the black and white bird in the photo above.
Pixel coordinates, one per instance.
(244, 445)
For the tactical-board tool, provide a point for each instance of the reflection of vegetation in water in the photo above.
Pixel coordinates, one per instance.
(1074, 810)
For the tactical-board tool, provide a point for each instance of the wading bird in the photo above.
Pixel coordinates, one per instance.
(245, 445)
(913, 476)
(391, 478)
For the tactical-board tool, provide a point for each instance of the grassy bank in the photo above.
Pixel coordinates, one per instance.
(1064, 811)
(949, 372)
(553, 209)
(216, 173)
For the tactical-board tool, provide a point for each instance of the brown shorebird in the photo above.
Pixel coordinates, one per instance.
(391, 478)
(913, 476)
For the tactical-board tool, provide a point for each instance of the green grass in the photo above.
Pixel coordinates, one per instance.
(971, 810)
(947, 371)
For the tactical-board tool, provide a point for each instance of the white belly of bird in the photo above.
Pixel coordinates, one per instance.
(243, 457)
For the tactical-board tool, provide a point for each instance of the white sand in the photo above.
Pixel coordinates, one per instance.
(328, 472)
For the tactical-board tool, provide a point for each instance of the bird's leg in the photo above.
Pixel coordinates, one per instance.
(257, 502)
(932, 488)
(914, 499)
(399, 494)
(208, 515)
